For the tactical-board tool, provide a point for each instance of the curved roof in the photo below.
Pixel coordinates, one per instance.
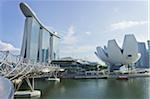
(28, 12)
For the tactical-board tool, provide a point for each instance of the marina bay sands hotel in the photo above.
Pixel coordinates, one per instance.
(39, 43)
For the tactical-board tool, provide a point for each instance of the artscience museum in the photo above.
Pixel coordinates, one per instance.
(113, 55)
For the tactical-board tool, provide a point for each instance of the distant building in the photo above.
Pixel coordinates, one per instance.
(142, 62)
(75, 67)
(70, 62)
(148, 42)
(39, 43)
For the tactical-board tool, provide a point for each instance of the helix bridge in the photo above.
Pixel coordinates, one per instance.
(17, 70)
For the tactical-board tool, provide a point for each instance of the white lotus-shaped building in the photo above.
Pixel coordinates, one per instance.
(115, 55)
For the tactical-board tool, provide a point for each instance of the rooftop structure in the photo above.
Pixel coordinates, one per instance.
(71, 62)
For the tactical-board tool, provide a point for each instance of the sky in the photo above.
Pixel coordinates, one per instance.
(82, 25)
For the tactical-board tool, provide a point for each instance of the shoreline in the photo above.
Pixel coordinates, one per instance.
(105, 76)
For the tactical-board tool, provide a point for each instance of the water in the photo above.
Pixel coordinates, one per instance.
(136, 88)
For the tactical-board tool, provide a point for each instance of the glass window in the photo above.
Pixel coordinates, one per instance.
(45, 45)
(34, 41)
(55, 47)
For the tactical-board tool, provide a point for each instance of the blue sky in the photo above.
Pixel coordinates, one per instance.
(82, 25)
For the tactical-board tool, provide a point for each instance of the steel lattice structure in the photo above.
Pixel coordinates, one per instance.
(16, 69)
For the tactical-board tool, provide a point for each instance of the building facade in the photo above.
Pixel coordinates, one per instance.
(148, 42)
(144, 61)
(39, 44)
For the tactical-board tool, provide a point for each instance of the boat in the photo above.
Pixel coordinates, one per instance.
(122, 78)
(54, 79)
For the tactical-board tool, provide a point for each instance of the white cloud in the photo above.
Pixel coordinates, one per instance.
(70, 38)
(75, 53)
(116, 10)
(71, 48)
(88, 33)
(71, 30)
(126, 24)
(93, 58)
(7, 47)
(84, 48)
(77, 50)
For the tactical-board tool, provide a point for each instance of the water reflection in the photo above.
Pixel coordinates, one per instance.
(95, 89)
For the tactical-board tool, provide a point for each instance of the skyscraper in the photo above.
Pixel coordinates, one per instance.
(142, 62)
(39, 43)
(148, 42)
